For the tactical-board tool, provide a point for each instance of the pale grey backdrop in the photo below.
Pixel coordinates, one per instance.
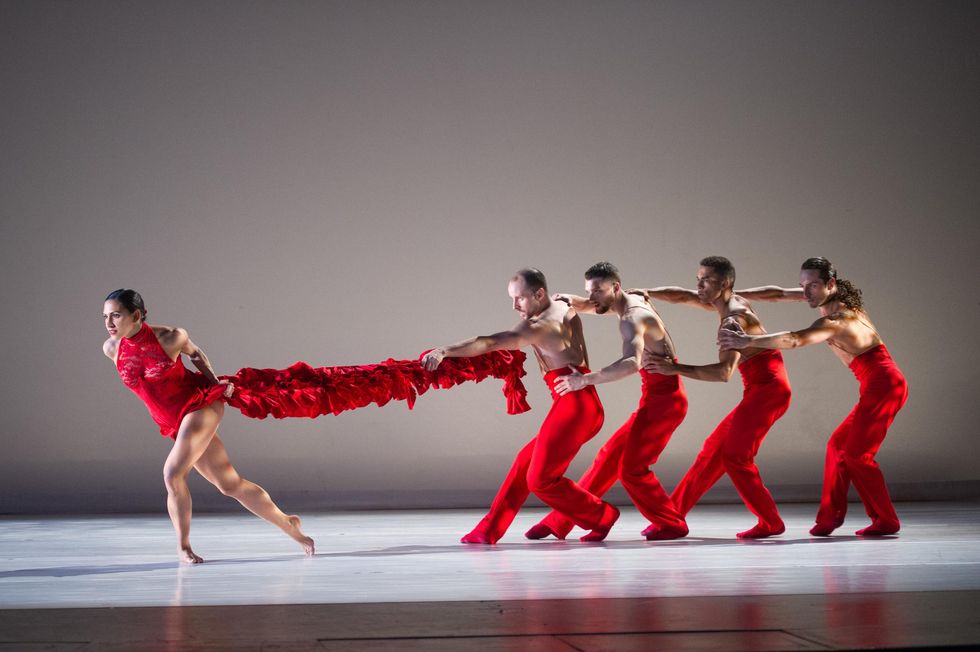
(340, 182)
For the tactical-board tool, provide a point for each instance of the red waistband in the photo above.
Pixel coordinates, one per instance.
(552, 376)
(762, 367)
(871, 359)
(659, 383)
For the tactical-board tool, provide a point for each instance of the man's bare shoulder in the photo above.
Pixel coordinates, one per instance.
(741, 311)
(641, 317)
(524, 327)
(555, 315)
(637, 305)
(834, 317)
(571, 316)
(842, 320)
(739, 303)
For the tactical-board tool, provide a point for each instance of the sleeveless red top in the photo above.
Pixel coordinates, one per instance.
(166, 386)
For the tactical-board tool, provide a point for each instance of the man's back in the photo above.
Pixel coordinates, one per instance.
(855, 336)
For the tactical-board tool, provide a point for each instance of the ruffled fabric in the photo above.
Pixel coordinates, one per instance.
(305, 391)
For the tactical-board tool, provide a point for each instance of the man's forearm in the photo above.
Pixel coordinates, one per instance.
(616, 371)
(716, 373)
(469, 348)
(674, 294)
(580, 304)
(670, 293)
(784, 340)
(772, 293)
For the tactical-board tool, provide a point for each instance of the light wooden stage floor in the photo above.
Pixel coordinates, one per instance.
(399, 580)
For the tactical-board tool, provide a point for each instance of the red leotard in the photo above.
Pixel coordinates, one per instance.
(168, 388)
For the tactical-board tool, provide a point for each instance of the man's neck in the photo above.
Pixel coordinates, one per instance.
(830, 306)
(723, 302)
(544, 308)
(620, 304)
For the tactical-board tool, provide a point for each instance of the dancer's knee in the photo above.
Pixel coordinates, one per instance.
(174, 478)
(857, 459)
(540, 482)
(733, 458)
(231, 488)
(632, 468)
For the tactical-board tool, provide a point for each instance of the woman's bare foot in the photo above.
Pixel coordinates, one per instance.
(292, 529)
(187, 556)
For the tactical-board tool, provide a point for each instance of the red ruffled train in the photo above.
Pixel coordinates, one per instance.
(304, 391)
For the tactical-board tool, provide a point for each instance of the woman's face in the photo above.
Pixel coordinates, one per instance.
(119, 322)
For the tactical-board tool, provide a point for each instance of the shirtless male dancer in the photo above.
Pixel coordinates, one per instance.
(554, 331)
(732, 447)
(845, 326)
(637, 444)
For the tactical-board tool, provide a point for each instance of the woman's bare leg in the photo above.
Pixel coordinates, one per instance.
(217, 468)
(196, 432)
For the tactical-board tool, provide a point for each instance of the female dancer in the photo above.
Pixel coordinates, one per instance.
(188, 408)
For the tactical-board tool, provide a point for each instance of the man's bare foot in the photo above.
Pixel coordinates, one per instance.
(292, 529)
(187, 556)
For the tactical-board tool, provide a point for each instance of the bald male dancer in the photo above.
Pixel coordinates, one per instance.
(554, 331)
(846, 328)
(637, 444)
(733, 445)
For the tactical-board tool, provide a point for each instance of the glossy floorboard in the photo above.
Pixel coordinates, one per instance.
(399, 580)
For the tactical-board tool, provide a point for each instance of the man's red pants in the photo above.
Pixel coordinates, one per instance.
(574, 419)
(732, 447)
(631, 451)
(852, 448)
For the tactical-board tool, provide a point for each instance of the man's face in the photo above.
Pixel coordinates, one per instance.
(816, 290)
(119, 322)
(711, 284)
(526, 302)
(601, 294)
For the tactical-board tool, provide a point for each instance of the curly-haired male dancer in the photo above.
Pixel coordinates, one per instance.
(637, 444)
(845, 326)
(554, 331)
(732, 447)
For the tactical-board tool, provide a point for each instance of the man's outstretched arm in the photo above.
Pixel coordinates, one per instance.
(772, 293)
(627, 365)
(674, 294)
(820, 331)
(516, 338)
(579, 304)
(719, 372)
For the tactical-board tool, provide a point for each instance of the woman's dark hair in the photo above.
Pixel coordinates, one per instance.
(130, 300)
(847, 292)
